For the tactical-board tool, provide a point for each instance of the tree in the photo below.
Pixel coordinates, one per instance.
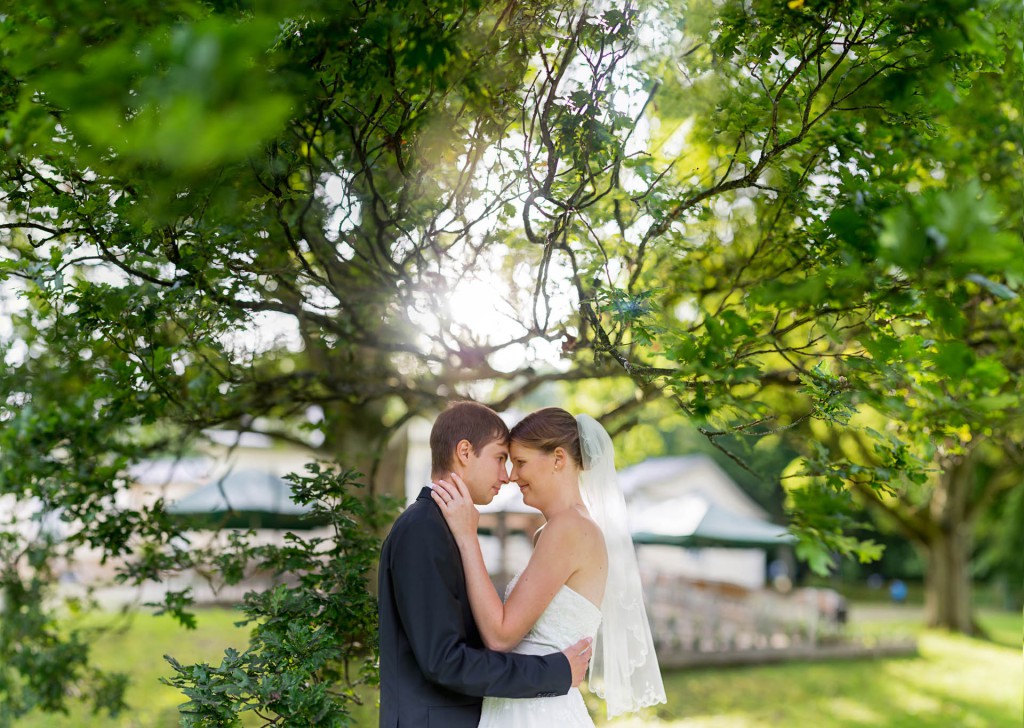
(173, 181)
(862, 165)
(340, 215)
(914, 267)
(710, 202)
(869, 159)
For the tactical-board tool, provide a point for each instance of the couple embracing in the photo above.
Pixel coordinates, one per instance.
(452, 653)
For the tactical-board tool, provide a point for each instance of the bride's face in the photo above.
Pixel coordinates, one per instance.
(533, 471)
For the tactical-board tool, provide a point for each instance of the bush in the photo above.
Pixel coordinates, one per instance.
(313, 642)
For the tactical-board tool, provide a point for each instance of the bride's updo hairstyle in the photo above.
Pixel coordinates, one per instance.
(547, 429)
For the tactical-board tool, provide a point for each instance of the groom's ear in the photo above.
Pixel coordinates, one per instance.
(463, 449)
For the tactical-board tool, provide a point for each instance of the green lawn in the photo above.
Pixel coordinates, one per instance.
(955, 681)
(138, 650)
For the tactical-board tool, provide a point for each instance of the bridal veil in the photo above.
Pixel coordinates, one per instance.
(624, 670)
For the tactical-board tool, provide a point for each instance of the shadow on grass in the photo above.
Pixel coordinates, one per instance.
(955, 682)
(1003, 628)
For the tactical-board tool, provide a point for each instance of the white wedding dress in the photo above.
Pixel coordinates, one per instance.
(568, 618)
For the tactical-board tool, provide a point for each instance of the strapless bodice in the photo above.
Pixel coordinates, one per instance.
(568, 618)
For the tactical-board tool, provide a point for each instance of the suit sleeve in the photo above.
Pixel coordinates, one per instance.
(427, 599)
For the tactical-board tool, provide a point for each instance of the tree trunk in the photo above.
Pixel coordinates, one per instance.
(948, 588)
(948, 582)
(357, 438)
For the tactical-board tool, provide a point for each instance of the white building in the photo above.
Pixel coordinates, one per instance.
(693, 521)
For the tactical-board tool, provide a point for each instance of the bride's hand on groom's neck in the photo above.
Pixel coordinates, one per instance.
(453, 498)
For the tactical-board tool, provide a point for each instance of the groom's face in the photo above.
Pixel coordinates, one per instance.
(486, 471)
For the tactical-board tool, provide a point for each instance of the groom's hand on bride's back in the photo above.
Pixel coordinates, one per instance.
(579, 656)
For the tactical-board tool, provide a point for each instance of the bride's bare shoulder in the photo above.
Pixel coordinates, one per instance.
(573, 524)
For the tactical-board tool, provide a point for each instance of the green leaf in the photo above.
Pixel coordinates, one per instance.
(993, 287)
(815, 555)
(953, 358)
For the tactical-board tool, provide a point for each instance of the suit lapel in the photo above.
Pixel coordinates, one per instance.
(472, 633)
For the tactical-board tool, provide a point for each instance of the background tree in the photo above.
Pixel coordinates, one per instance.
(872, 229)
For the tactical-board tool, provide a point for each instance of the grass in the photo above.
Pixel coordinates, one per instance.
(138, 650)
(956, 681)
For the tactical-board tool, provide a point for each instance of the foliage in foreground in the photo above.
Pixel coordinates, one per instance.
(313, 639)
(39, 658)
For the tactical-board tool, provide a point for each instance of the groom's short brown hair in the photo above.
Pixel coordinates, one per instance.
(463, 421)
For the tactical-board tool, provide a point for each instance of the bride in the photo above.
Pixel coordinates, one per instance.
(582, 579)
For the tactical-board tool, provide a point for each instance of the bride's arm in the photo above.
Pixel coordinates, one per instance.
(503, 625)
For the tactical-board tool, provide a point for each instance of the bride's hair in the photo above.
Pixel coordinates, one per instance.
(547, 429)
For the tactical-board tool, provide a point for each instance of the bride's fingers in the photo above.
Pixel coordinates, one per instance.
(458, 492)
(439, 500)
(447, 490)
(461, 485)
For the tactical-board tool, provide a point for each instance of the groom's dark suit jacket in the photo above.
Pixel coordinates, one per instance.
(434, 669)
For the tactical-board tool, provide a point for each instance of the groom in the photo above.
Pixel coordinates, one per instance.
(434, 669)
